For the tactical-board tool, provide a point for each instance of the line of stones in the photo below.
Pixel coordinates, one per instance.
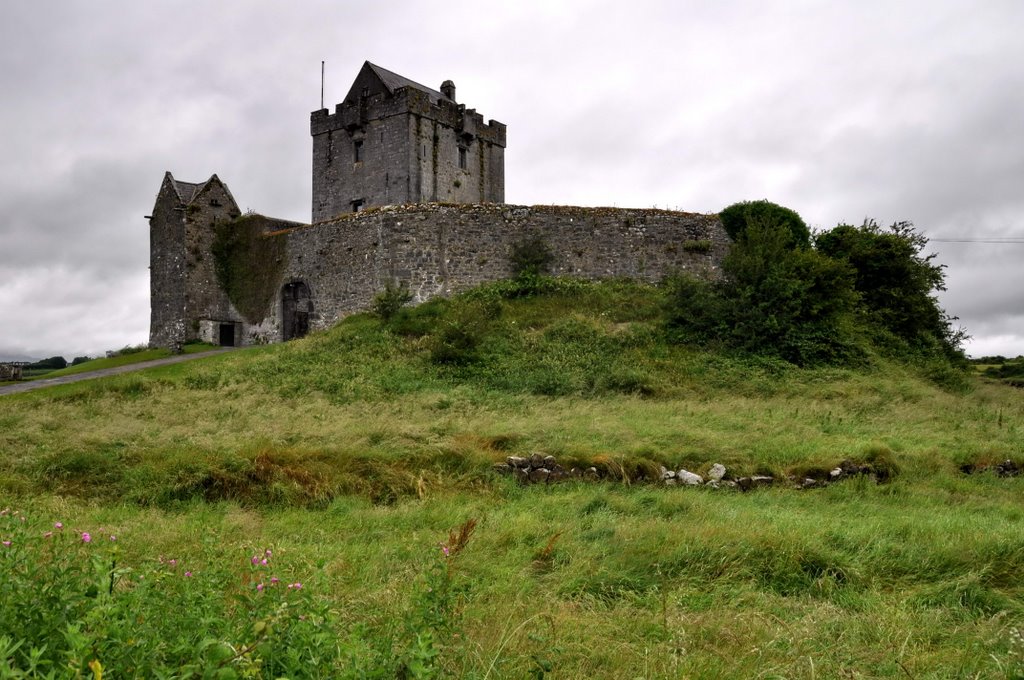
(540, 469)
(1007, 468)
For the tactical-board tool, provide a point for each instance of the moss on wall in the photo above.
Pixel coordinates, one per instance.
(249, 263)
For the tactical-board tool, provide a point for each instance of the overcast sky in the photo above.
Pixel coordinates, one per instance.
(839, 110)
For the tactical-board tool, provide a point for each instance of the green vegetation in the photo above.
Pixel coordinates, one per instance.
(387, 303)
(358, 462)
(350, 454)
(51, 364)
(1007, 371)
(858, 291)
(896, 283)
(531, 257)
(248, 263)
(738, 216)
(701, 246)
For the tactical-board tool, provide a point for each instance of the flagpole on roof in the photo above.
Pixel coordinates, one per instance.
(321, 84)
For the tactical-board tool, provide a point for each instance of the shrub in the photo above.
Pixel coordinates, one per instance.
(773, 300)
(387, 303)
(531, 257)
(739, 216)
(700, 246)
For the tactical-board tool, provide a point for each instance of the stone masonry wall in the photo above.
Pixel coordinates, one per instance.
(408, 153)
(204, 298)
(437, 249)
(167, 269)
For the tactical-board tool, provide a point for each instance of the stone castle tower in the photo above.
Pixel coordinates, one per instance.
(394, 141)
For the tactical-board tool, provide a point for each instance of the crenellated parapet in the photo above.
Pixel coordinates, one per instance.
(351, 116)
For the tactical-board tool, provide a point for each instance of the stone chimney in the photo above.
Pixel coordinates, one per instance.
(448, 89)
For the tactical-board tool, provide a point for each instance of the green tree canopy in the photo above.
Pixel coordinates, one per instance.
(774, 299)
(896, 281)
(737, 217)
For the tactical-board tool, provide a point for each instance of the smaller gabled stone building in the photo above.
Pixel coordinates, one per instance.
(187, 300)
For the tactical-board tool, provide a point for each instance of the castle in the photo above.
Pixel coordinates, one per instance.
(408, 188)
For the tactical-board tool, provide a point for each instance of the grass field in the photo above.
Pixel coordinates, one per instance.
(354, 454)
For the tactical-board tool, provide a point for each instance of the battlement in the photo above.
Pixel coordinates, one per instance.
(353, 115)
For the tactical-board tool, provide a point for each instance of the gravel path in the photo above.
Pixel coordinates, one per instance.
(104, 372)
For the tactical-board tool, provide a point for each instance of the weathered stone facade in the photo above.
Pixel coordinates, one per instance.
(394, 141)
(187, 301)
(438, 249)
(439, 228)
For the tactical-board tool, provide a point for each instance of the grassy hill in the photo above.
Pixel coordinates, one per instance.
(356, 455)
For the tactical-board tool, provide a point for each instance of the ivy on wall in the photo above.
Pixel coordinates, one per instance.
(249, 263)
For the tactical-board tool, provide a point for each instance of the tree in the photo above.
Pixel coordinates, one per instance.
(51, 363)
(738, 216)
(896, 282)
(774, 299)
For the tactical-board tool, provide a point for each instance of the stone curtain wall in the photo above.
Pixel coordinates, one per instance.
(438, 249)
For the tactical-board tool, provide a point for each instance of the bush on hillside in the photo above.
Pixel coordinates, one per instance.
(739, 216)
(387, 302)
(774, 300)
(821, 302)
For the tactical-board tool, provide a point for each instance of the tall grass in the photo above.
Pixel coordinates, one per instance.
(354, 452)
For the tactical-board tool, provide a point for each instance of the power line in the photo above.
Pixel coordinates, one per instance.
(977, 240)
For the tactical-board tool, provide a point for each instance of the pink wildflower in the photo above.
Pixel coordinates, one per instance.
(296, 585)
(7, 544)
(173, 563)
(86, 538)
(267, 552)
(259, 587)
(274, 580)
(445, 550)
(113, 538)
(255, 559)
(58, 525)
(48, 534)
(188, 574)
(264, 562)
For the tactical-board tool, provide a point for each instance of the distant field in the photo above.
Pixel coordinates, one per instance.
(351, 455)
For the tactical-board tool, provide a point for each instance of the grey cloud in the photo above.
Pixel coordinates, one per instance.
(841, 111)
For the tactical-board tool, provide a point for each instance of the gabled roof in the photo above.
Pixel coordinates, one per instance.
(186, 190)
(190, 191)
(391, 81)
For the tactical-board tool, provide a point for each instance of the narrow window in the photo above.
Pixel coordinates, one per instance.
(358, 151)
(330, 147)
(462, 158)
(357, 205)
